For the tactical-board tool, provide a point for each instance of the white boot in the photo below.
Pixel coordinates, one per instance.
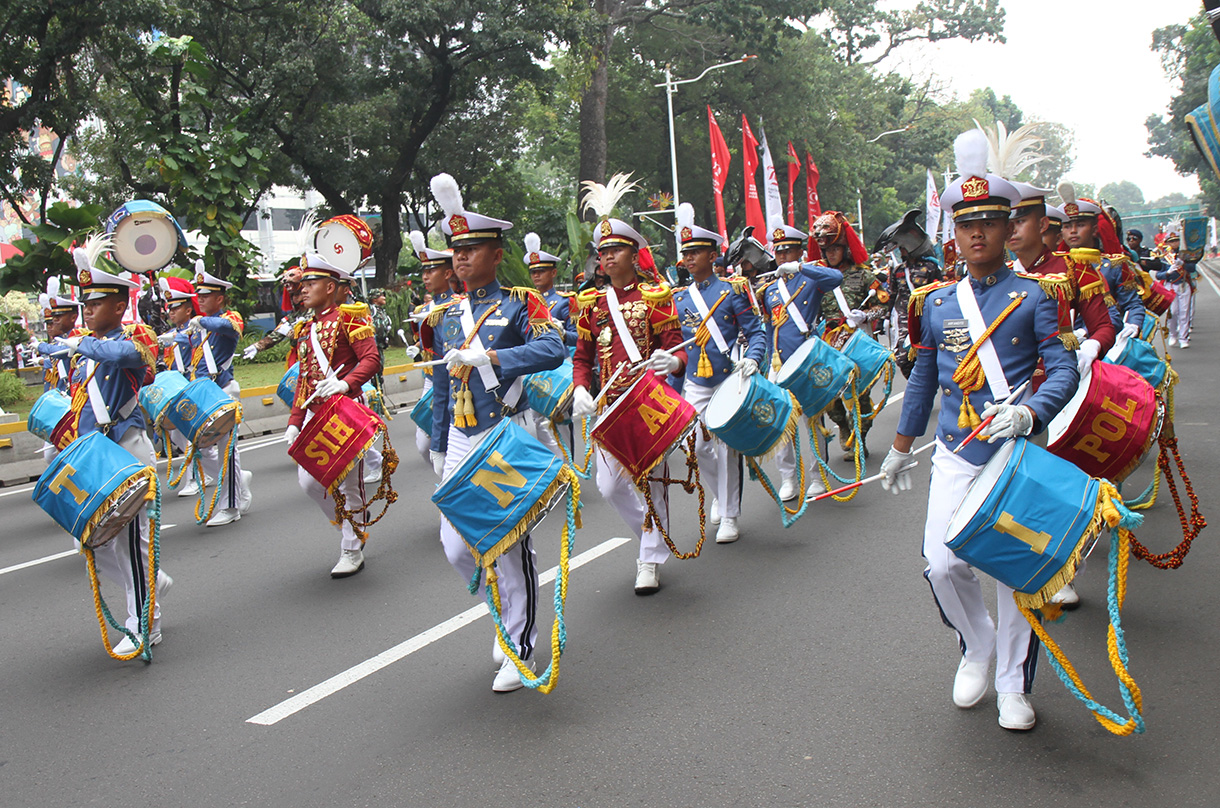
(646, 580)
(728, 532)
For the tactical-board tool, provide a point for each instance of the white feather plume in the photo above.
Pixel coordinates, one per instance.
(418, 243)
(86, 257)
(1067, 192)
(601, 199)
(447, 194)
(533, 243)
(306, 233)
(1010, 153)
(970, 153)
(775, 223)
(44, 301)
(53, 286)
(686, 215)
(198, 267)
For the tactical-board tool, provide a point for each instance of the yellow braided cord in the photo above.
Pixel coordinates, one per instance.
(969, 375)
(100, 608)
(385, 487)
(175, 480)
(225, 457)
(652, 518)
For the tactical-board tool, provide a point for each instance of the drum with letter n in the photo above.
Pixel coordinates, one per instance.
(51, 418)
(816, 374)
(752, 416)
(335, 439)
(158, 397)
(644, 425)
(1109, 425)
(204, 413)
(94, 488)
(287, 391)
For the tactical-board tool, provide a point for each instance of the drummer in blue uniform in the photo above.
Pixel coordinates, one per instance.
(490, 338)
(180, 305)
(732, 314)
(59, 316)
(543, 267)
(214, 337)
(117, 360)
(989, 330)
(436, 274)
(1182, 277)
(1088, 227)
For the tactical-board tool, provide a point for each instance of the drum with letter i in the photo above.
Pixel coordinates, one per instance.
(287, 391)
(158, 397)
(549, 393)
(94, 488)
(1109, 425)
(204, 413)
(870, 356)
(644, 425)
(752, 416)
(1141, 357)
(51, 418)
(816, 374)
(421, 413)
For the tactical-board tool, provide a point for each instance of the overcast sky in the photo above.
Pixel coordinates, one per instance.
(1046, 46)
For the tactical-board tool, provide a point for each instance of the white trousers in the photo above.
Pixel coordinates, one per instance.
(209, 460)
(124, 559)
(352, 488)
(517, 569)
(957, 590)
(785, 456)
(719, 466)
(1181, 311)
(616, 487)
(423, 440)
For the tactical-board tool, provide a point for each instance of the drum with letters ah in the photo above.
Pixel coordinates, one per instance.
(158, 397)
(421, 413)
(1027, 517)
(51, 418)
(335, 439)
(1109, 425)
(751, 416)
(146, 235)
(94, 488)
(204, 413)
(816, 374)
(870, 356)
(502, 488)
(644, 425)
(549, 392)
(1141, 357)
(287, 391)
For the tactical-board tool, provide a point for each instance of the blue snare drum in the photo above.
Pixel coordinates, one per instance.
(1141, 357)
(1150, 323)
(94, 488)
(750, 416)
(287, 391)
(870, 357)
(549, 392)
(159, 396)
(48, 413)
(1024, 516)
(816, 374)
(502, 488)
(204, 413)
(421, 413)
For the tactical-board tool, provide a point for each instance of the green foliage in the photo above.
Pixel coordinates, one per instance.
(50, 256)
(276, 353)
(12, 388)
(1124, 195)
(512, 271)
(859, 27)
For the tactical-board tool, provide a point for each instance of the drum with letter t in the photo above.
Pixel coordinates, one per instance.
(644, 425)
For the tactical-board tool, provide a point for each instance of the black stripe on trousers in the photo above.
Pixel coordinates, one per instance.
(137, 565)
(233, 474)
(1030, 666)
(530, 573)
(961, 641)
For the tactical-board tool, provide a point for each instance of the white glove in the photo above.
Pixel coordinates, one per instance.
(662, 363)
(1081, 334)
(71, 343)
(583, 404)
(789, 268)
(1129, 331)
(330, 386)
(413, 352)
(292, 433)
(856, 318)
(166, 339)
(474, 357)
(897, 475)
(196, 325)
(438, 462)
(250, 352)
(746, 367)
(1086, 355)
(417, 317)
(1011, 421)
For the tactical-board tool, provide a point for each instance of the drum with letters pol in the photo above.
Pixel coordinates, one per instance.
(1109, 425)
(158, 397)
(204, 413)
(51, 418)
(644, 425)
(816, 374)
(752, 416)
(335, 439)
(870, 356)
(549, 392)
(421, 413)
(287, 391)
(94, 488)
(1141, 357)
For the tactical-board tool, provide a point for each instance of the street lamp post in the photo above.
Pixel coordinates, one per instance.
(859, 195)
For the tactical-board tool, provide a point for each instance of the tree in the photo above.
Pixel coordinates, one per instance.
(1123, 194)
(854, 27)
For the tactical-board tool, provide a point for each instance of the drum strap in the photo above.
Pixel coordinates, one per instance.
(842, 301)
(101, 413)
(208, 357)
(471, 333)
(790, 305)
(988, 358)
(697, 298)
(178, 358)
(624, 334)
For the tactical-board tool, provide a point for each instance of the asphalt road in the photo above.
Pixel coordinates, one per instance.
(796, 667)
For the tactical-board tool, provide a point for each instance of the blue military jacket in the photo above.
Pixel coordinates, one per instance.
(1031, 332)
(1187, 274)
(806, 289)
(561, 308)
(120, 367)
(518, 328)
(54, 367)
(223, 333)
(734, 316)
(1126, 295)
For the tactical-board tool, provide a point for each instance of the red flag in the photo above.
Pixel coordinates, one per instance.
(794, 170)
(720, 172)
(813, 204)
(749, 154)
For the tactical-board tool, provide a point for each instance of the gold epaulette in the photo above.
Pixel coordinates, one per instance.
(738, 283)
(1058, 287)
(656, 293)
(145, 340)
(565, 294)
(921, 294)
(586, 299)
(434, 317)
(355, 309)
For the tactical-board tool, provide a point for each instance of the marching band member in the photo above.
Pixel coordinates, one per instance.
(733, 315)
(917, 269)
(118, 360)
(1181, 276)
(286, 328)
(858, 302)
(181, 305)
(1052, 237)
(1088, 227)
(59, 315)
(543, 267)
(213, 338)
(631, 320)
(437, 274)
(338, 354)
(995, 324)
(490, 338)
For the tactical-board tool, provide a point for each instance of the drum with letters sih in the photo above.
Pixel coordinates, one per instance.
(644, 425)
(549, 392)
(287, 391)
(870, 356)
(1141, 357)
(752, 416)
(51, 418)
(204, 413)
(816, 374)
(93, 488)
(335, 439)
(158, 397)
(1109, 425)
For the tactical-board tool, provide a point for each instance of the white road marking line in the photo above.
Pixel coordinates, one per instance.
(38, 561)
(895, 397)
(370, 666)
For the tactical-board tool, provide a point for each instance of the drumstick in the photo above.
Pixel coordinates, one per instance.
(1011, 397)
(874, 478)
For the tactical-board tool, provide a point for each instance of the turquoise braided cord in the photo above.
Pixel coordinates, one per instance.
(757, 472)
(154, 550)
(114, 624)
(473, 586)
(1143, 499)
